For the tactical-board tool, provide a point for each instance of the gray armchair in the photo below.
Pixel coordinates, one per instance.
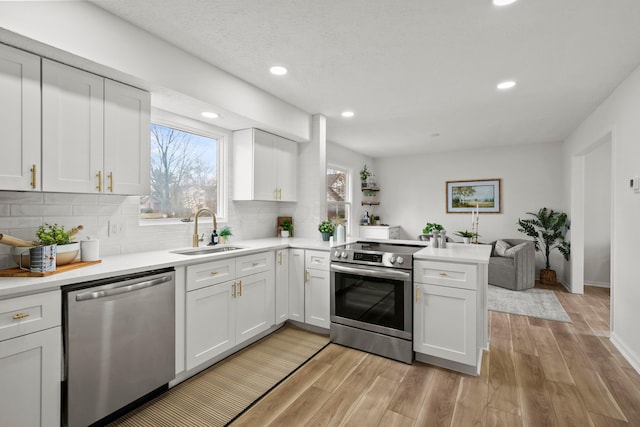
(516, 273)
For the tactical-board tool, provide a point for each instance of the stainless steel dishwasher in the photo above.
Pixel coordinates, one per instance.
(119, 343)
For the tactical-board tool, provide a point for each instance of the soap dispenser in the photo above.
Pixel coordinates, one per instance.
(214, 238)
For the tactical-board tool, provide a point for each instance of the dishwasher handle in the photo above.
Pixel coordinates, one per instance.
(122, 289)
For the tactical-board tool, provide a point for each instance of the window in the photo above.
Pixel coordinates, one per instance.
(185, 174)
(339, 196)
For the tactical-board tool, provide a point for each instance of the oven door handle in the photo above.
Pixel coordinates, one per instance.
(383, 273)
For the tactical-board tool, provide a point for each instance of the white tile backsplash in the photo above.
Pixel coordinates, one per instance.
(22, 213)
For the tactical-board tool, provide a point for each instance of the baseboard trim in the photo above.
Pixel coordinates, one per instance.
(598, 284)
(632, 358)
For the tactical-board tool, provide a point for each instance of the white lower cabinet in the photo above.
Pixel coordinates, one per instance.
(282, 286)
(309, 282)
(296, 285)
(210, 323)
(316, 290)
(446, 314)
(445, 323)
(30, 360)
(220, 316)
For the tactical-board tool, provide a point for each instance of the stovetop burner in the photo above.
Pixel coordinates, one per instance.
(381, 254)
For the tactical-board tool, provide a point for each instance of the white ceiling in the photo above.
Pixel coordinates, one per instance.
(420, 75)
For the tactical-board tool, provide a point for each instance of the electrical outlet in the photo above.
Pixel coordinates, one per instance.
(115, 228)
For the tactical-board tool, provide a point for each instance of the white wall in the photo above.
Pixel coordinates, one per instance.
(413, 189)
(340, 156)
(619, 116)
(597, 216)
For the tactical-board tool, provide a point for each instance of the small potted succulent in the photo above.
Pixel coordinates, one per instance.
(223, 236)
(287, 228)
(466, 236)
(326, 228)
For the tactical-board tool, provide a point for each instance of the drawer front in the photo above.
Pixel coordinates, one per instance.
(318, 260)
(27, 314)
(256, 263)
(210, 273)
(454, 275)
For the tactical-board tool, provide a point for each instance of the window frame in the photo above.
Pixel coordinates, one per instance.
(349, 193)
(196, 127)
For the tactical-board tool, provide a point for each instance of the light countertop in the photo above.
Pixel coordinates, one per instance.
(144, 261)
(456, 252)
(118, 265)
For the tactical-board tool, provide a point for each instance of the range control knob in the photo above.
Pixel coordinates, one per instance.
(392, 259)
(336, 254)
(344, 255)
(400, 260)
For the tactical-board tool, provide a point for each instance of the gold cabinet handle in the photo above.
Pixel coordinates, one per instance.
(306, 276)
(110, 176)
(240, 292)
(275, 194)
(214, 273)
(280, 258)
(443, 274)
(279, 193)
(417, 295)
(19, 316)
(33, 176)
(255, 264)
(99, 186)
(233, 293)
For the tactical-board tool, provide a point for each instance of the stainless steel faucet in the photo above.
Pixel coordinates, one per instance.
(196, 240)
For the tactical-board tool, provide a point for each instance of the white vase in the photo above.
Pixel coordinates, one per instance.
(466, 240)
(284, 233)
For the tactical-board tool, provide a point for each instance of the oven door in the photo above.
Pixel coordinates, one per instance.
(372, 298)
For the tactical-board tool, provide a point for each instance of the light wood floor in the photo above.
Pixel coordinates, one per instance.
(537, 373)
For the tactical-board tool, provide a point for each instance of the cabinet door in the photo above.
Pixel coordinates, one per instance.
(282, 285)
(286, 158)
(126, 139)
(316, 304)
(444, 323)
(255, 303)
(210, 322)
(30, 372)
(296, 284)
(19, 119)
(264, 172)
(72, 129)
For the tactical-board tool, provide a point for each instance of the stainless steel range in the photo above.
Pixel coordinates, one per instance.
(371, 298)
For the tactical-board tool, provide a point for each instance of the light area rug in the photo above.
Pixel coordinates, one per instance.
(540, 303)
(217, 395)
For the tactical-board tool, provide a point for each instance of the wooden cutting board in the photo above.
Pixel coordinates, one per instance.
(16, 272)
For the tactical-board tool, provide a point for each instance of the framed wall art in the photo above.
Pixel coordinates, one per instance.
(467, 196)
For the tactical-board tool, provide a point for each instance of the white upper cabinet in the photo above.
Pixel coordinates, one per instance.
(19, 120)
(264, 166)
(95, 133)
(72, 129)
(126, 139)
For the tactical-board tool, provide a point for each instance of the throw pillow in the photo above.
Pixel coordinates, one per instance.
(501, 247)
(511, 252)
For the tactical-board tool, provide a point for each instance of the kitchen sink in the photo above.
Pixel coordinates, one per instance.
(206, 250)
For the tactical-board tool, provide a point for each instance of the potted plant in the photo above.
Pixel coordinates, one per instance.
(326, 228)
(364, 175)
(430, 227)
(67, 249)
(548, 229)
(225, 233)
(287, 228)
(466, 236)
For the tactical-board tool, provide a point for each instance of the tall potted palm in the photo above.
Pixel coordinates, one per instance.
(548, 229)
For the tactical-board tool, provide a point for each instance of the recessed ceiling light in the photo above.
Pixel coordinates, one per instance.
(347, 114)
(210, 115)
(507, 84)
(502, 2)
(278, 70)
